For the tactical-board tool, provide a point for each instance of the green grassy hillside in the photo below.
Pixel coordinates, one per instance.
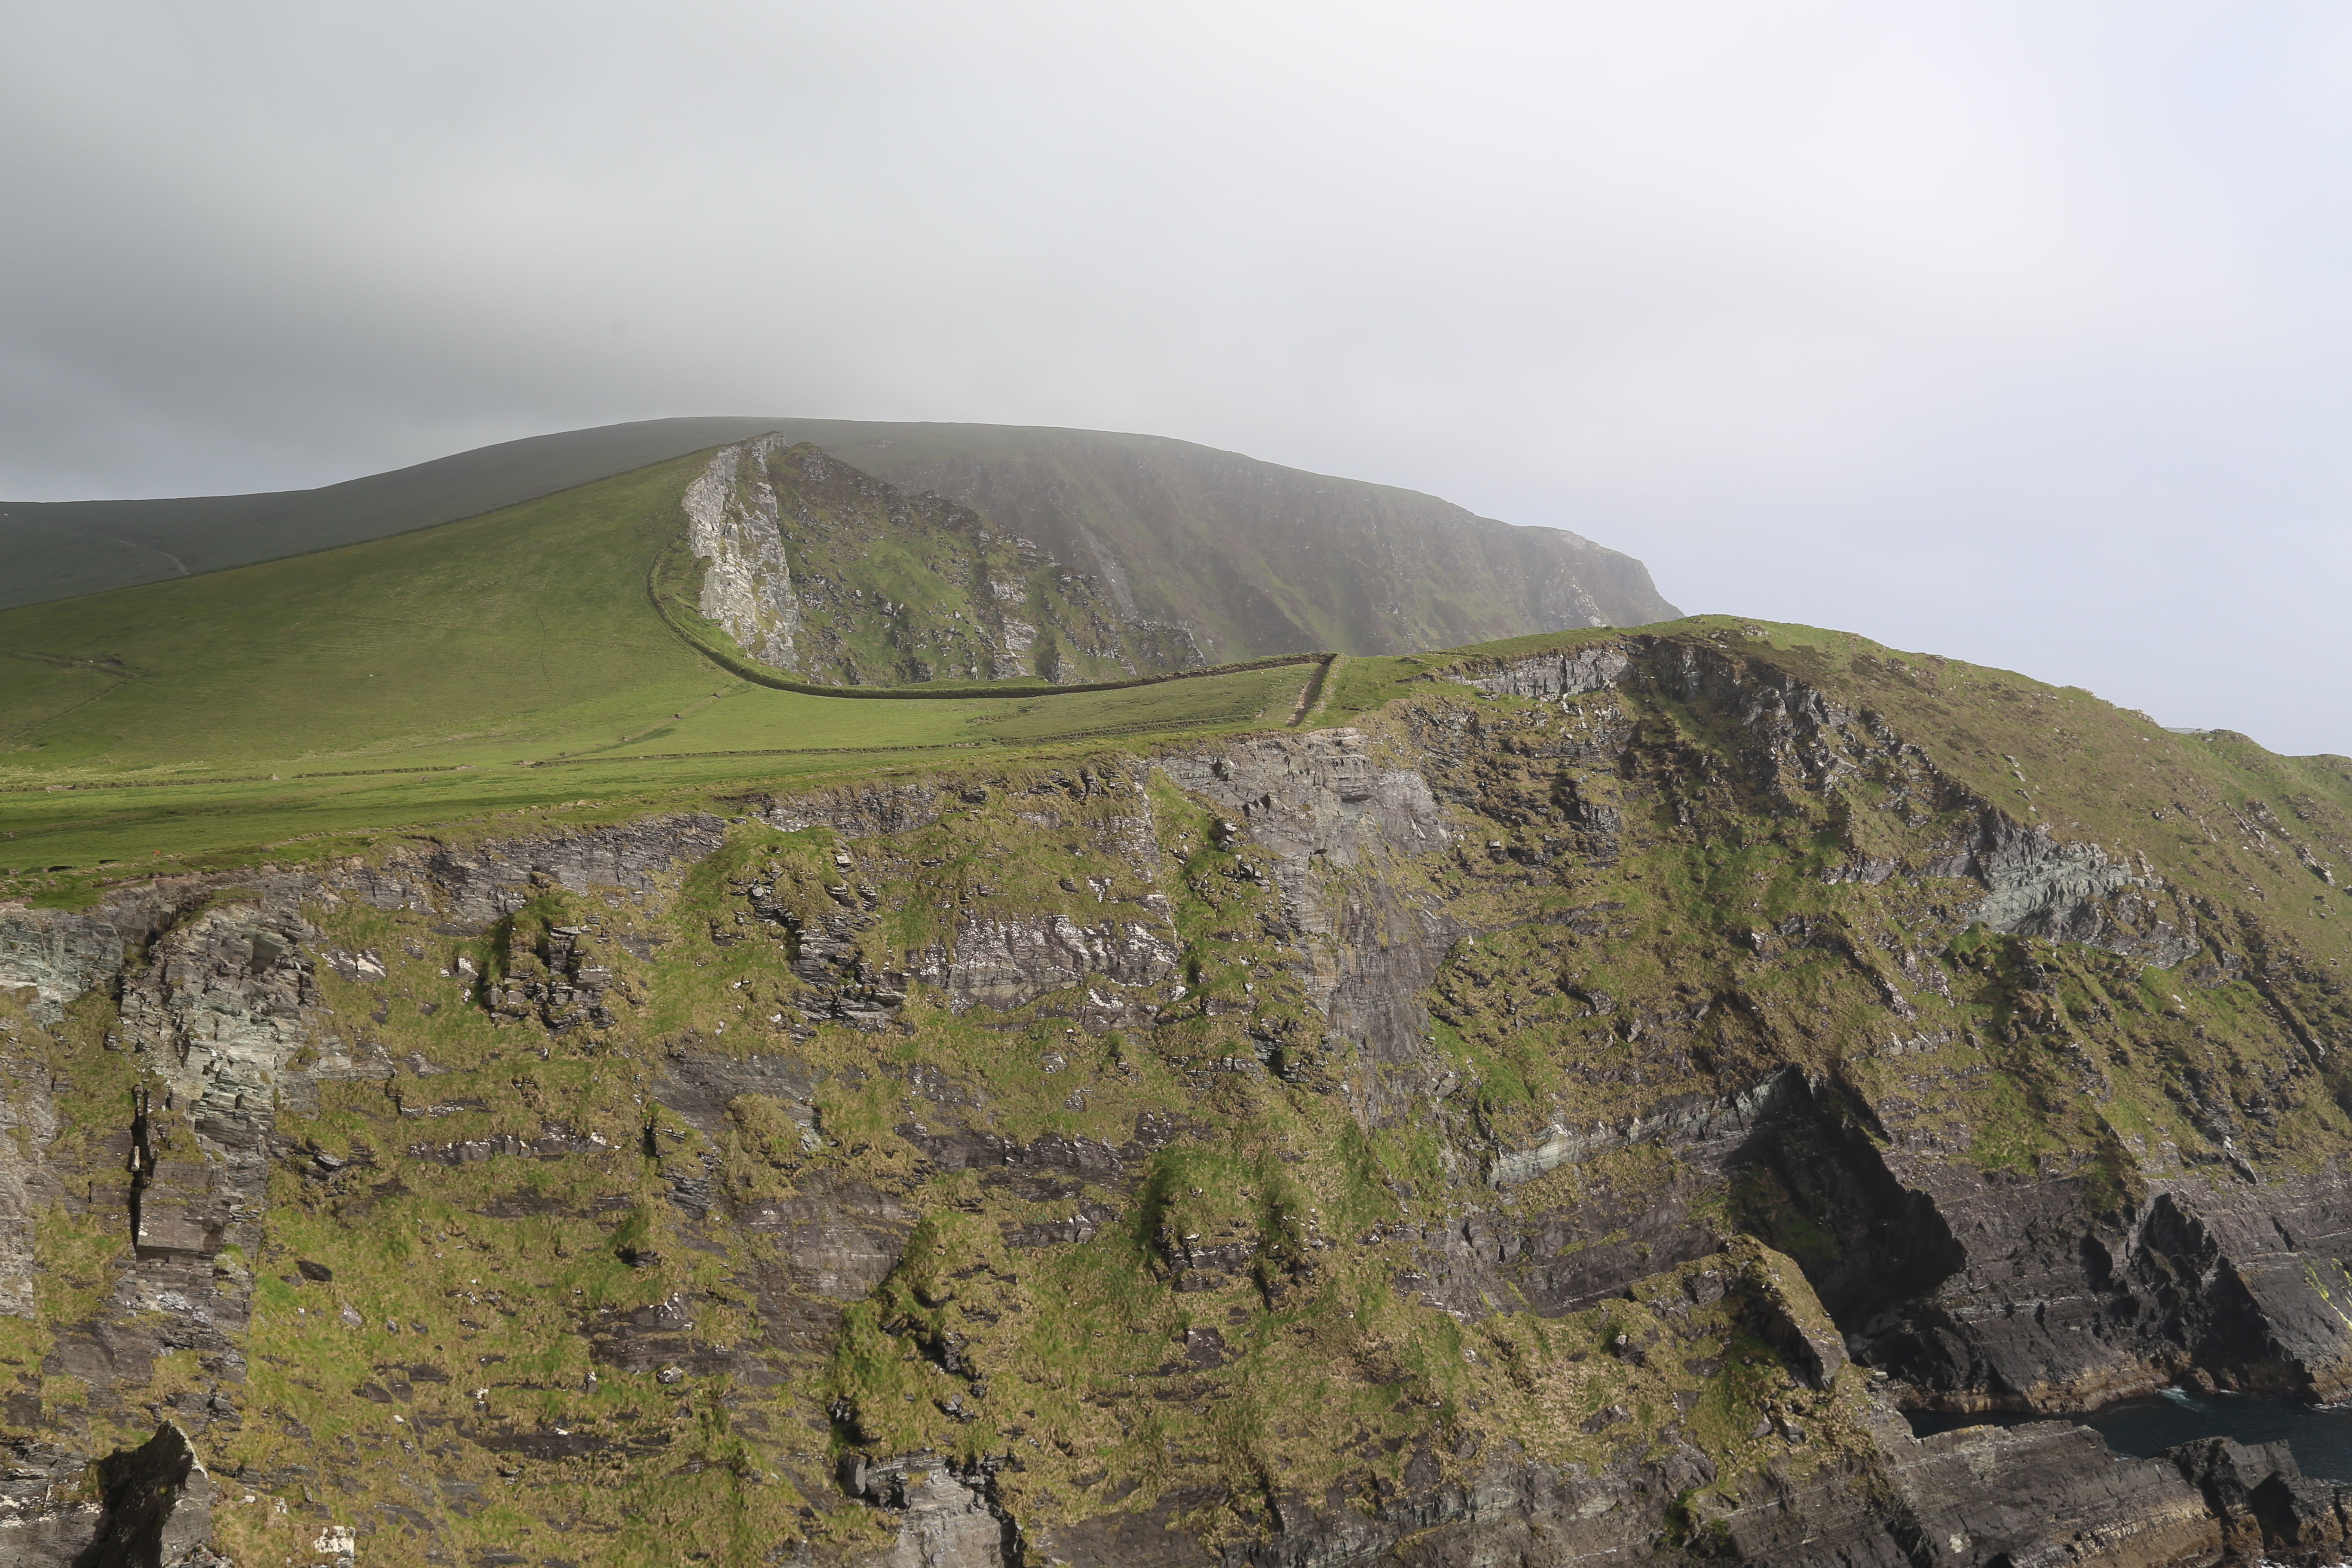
(1249, 557)
(527, 628)
(52, 548)
(403, 679)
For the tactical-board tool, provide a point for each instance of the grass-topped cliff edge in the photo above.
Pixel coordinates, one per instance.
(1384, 1068)
(1603, 1074)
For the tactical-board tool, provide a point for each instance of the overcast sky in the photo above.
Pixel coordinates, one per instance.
(2012, 332)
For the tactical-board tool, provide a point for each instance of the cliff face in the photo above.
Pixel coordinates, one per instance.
(1256, 558)
(1562, 1115)
(747, 586)
(815, 567)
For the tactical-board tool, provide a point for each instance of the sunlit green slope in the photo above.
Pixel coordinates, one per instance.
(51, 549)
(524, 629)
(404, 680)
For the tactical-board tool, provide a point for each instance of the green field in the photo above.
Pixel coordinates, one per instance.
(505, 662)
(737, 737)
(56, 548)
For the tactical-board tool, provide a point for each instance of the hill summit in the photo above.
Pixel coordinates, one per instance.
(1249, 558)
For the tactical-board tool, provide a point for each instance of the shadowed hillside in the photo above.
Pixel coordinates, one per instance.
(1255, 557)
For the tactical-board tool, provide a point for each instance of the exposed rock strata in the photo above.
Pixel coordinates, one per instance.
(1558, 1119)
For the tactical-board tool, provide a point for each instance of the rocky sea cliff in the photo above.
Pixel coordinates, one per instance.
(1566, 1114)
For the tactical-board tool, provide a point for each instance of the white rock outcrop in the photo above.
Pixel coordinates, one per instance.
(730, 513)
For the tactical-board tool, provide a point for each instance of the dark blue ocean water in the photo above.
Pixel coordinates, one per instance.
(2321, 1434)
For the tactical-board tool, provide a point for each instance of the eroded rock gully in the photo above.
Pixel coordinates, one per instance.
(1562, 1117)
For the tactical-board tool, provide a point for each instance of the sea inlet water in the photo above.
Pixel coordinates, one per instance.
(2321, 1434)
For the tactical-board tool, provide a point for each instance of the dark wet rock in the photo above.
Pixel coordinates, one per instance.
(2189, 1275)
(157, 1509)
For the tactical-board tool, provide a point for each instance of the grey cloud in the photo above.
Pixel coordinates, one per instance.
(2006, 331)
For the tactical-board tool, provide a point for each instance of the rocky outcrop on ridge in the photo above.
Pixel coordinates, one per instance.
(731, 514)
